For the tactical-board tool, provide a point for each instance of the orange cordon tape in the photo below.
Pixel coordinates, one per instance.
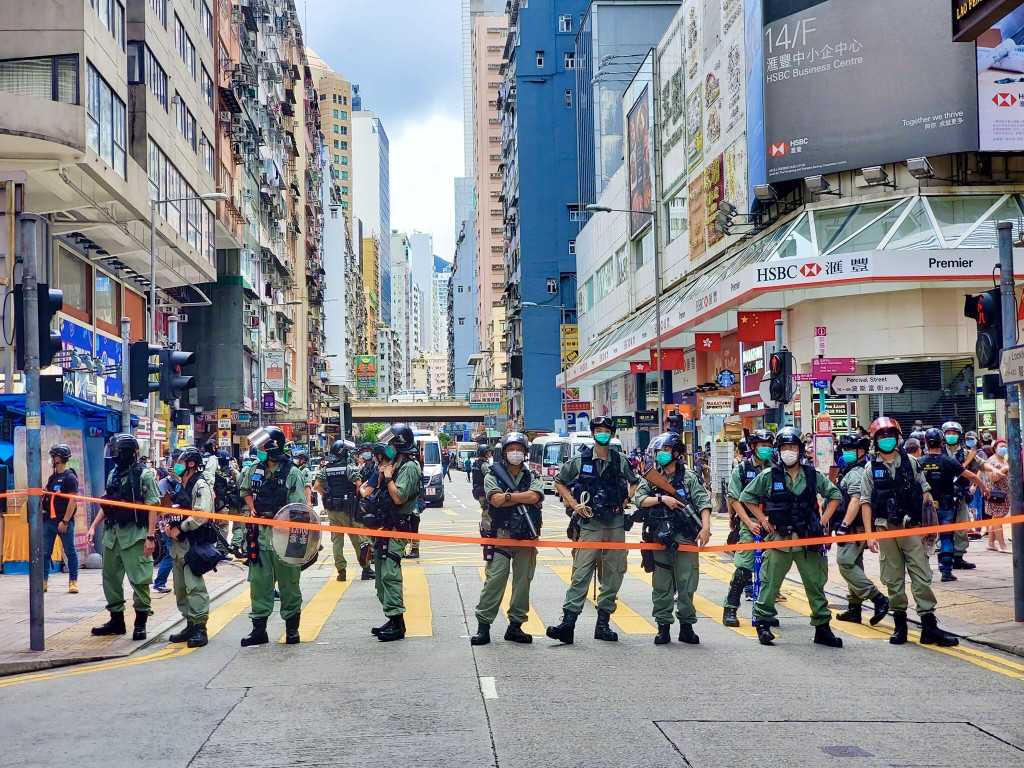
(551, 543)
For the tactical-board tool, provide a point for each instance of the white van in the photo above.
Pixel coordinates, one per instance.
(547, 454)
(432, 480)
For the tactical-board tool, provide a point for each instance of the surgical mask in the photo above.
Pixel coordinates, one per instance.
(986, 436)
(602, 438)
(1001, 450)
(390, 452)
(764, 452)
(849, 456)
(515, 457)
(367, 455)
(952, 439)
(970, 443)
(887, 444)
(246, 464)
(179, 469)
(789, 458)
(261, 455)
(664, 458)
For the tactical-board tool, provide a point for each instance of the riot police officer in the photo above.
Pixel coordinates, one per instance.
(850, 517)
(128, 537)
(762, 445)
(514, 496)
(595, 486)
(789, 493)
(480, 467)
(300, 457)
(186, 532)
(337, 481)
(671, 519)
(968, 456)
(941, 471)
(249, 461)
(893, 491)
(365, 462)
(271, 484)
(59, 515)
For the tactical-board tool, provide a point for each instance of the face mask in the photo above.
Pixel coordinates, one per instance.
(390, 452)
(790, 457)
(664, 458)
(887, 444)
(764, 452)
(179, 469)
(261, 455)
(367, 455)
(970, 443)
(849, 456)
(515, 457)
(1001, 450)
(952, 439)
(602, 438)
(246, 464)
(986, 436)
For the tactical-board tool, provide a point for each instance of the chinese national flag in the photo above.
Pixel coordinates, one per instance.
(672, 359)
(755, 327)
(711, 342)
(641, 367)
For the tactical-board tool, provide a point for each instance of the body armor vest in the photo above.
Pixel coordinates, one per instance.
(898, 499)
(341, 492)
(125, 485)
(513, 518)
(837, 518)
(607, 489)
(272, 493)
(789, 512)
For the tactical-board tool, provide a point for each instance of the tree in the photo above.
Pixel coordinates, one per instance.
(445, 440)
(371, 431)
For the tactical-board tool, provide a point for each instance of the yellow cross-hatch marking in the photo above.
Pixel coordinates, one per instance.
(533, 624)
(625, 618)
(319, 610)
(450, 512)
(416, 594)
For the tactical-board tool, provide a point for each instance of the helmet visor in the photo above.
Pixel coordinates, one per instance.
(260, 438)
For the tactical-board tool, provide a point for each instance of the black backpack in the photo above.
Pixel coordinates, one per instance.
(220, 490)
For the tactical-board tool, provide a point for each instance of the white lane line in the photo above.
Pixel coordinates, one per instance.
(487, 688)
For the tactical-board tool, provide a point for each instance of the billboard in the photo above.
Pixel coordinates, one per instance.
(874, 99)
(972, 17)
(366, 372)
(672, 116)
(1000, 90)
(570, 345)
(273, 369)
(638, 140)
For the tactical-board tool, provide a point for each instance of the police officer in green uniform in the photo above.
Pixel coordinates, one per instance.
(894, 491)
(762, 446)
(128, 537)
(337, 481)
(789, 493)
(968, 457)
(185, 531)
(514, 497)
(477, 473)
(671, 520)
(396, 489)
(249, 461)
(850, 517)
(596, 485)
(272, 484)
(300, 457)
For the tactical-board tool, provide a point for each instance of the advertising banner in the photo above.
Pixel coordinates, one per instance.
(273, 369)
(875, 98)
(366, 372)
(972, 17)
(484, 397)
(1000, 86)
(641, 182)
(570, 345)
(672, 124)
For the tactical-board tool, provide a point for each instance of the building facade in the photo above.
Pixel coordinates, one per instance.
(421, 245)
(371, 201)
(463, 341)
(401, 303)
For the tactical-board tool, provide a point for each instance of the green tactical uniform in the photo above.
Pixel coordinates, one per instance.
(850, 556)
(124, 554)
(238, 529)
(190, 590)
(677, 571)
(775, 563)
(271, 568)
(906, 555)
(743, 558)
(341, 517)
(388, 562)
(611, 563)
(963, 512)
(521, 561)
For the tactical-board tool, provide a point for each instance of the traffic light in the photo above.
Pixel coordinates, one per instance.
(986, 310)
(780, 372)
(50, 303)
(141, 369)
(172, 383)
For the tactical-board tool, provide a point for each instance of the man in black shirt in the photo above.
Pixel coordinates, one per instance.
(59, 515)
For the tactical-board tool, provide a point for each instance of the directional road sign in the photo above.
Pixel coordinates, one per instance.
(1011, 365)
(889, 384)
(823, 367)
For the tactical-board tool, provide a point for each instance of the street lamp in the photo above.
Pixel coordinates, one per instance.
(657, 297)
(209, 197)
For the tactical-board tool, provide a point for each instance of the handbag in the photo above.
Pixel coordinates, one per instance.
(999, 497)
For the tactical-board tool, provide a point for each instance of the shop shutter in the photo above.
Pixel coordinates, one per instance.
(934, 391)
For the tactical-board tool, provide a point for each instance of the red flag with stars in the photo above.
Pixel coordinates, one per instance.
(755, 327)
(672, 360)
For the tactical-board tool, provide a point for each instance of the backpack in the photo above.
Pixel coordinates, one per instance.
(220, 490)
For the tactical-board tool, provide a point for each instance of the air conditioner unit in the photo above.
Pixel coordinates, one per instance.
(225, 117)
(236, 15)
(271, 334)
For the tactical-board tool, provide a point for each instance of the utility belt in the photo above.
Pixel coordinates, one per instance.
(346, 503)
(517, 520)
(961, 493)
(204, 534)
(804, 529)
(897, 515)
(123, 517)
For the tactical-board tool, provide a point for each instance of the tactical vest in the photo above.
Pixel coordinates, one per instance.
(896, 498)
(271, 491)
(607, 489)
(339, 488)
(748, 471)
(512, 518)
(845, 503)
(962, 485)
(661, 522)
(478, 478)
(125, 485)
(366, 471)
(55, 483)
(931, 467)
(787, 511)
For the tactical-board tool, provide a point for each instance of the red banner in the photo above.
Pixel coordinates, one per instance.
(641, 367)
(757, 327)
(709, 342)
(672, 359)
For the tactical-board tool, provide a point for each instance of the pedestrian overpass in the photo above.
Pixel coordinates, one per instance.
(432, 410)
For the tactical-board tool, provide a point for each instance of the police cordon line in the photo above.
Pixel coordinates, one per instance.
(886, 500)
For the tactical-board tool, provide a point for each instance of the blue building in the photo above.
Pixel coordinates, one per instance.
(462, 312)
(537, 102)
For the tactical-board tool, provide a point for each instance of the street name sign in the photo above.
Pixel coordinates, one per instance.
(823, 367)
(1011, 365)
(889, 384)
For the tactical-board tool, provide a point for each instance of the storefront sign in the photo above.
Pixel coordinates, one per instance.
(577, 406)
(1011, 365)
(647, 418)
(889, 384)
(823, 367)
(639, 156)
(752, 357)
(719, 405)
(269, 402)
(1000, 104)
(623, 422)
(570, 345)
(972, 18)
(366, 372)
(819, 341)
(823, 424)
(273, 369)
(484, 397)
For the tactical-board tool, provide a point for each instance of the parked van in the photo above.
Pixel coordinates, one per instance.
(432, 480)
(549, 452)
(464, 451)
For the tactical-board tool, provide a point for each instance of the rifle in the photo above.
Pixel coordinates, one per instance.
(654, 477)
(502, 474)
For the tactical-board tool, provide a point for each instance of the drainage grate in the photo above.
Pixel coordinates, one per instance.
(844, 751)
(88, 609)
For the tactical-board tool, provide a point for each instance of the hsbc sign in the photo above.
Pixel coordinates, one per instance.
(1004, 99)
(777, 273)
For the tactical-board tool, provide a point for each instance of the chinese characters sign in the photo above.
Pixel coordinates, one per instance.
(366, 371)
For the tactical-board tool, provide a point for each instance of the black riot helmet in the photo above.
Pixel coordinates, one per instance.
(854, 442)
(482, 450)
(602, 421)
(272, 440)
(668, 441)
(62, 450)
(223, 459)
(933, 437)
(124, 449)
(760, 436)
(400, 436)
(191, 455)
(338, 449)
(788, 436)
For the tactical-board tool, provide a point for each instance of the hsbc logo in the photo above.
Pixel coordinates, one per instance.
(780, 149)
(1004, 99)
(810, 270)
(779, 274)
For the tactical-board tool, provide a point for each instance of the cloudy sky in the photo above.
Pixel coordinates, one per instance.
(406, 57)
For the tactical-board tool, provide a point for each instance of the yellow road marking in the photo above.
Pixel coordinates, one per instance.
(625, 618)
(319, 609)
(533, 624)
(416, 594)
(450, 512)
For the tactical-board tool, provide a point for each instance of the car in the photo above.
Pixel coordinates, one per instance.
(431, 479)
(409, 396)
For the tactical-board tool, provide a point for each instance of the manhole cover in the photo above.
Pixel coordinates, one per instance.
(845, 752)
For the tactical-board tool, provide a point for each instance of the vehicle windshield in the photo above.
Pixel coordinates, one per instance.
(553, 455)
(431, 453)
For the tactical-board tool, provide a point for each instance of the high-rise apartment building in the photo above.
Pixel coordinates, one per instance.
(439, 312)
(401, 302)
(421, 245)
(415, 323)
(463, 340)
(336, 110)
(371, 199)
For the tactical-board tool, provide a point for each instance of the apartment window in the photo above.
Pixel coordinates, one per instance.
(344, 100)
(206, 149)
(337, 159)
(344, 160)
(574, 213)
(160, 6)
(207, 83)
(334, 98)
(344, 145)
(344, 205)
(191, 219)
(184, 45)
(344, 190)
(552, 285)
(52, 77)
(344, 131)
(111, 13)
(323, 97)
(105, 301)
(344, 115)
(568, 99)
(462, 320)
(335, 143)
(206, 18)
(565, 22)
(540, 59)
(106, 129)
(460, 289)
(572, 247)
(344, 175)
(570, 59)
(73, 278)
(185, 120)
(156, 78)
(335, 114)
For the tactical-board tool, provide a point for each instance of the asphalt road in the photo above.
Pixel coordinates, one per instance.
(343, 699)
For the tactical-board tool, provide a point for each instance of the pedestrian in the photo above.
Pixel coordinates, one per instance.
(129, 538)
(446, 463)
(514, 496)
(187, 532)
(968, 457)
(167, 486)
(272, 484)
(998, 504)
(669, 520)
(59, 515)
(338, 481)
(789, 492)
(852, 517)
(468, 463)
(913, 448)
(894, 490)
(596, 485)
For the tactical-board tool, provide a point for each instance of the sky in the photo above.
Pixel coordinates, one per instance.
(406, 57)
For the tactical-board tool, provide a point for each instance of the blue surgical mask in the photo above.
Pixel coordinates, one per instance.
(664, 458)
(261, 455)
(887, 444)
(602, 438)
(970, 443)
(367, 455)
(179, 469)
(764, 452)
(849, 456)
(1001, 450)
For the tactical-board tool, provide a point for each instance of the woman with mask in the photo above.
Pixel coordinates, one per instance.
(998, 504)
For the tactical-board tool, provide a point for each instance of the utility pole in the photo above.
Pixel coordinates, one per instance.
(1008, 305)
(34, 235)
(126, 375)
(151, 325)
(12, 235)
(172, 426)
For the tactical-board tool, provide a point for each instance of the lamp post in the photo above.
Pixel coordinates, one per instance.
(657, 297)
(210, 197)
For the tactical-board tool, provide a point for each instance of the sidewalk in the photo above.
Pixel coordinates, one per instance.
(69, 619)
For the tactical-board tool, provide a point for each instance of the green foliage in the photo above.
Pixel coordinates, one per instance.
(371, 431)
(445, 439)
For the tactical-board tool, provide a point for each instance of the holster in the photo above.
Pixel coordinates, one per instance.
(252, 540)
(647, 560)
(487, 533)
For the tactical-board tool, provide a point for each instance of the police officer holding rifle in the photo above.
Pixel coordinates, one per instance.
(337, 481)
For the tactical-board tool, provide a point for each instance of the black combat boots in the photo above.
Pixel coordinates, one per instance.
(932, 635)
(483, 634)
(291, 629)
(823, 636)
(601, 630)
(183, 635)
(565, 631)
(199, 637)
(739, 581)
(899, 634)
(368, 574)
(687, 635)
(881, 603)
(113, 627)
(729, 617)
(139, 632)
(664, 636)
(852, 614)
(395, 632)
(515, 633)
(764, 633)
(258, 636)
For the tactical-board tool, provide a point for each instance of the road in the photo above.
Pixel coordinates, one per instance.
(343, 699)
